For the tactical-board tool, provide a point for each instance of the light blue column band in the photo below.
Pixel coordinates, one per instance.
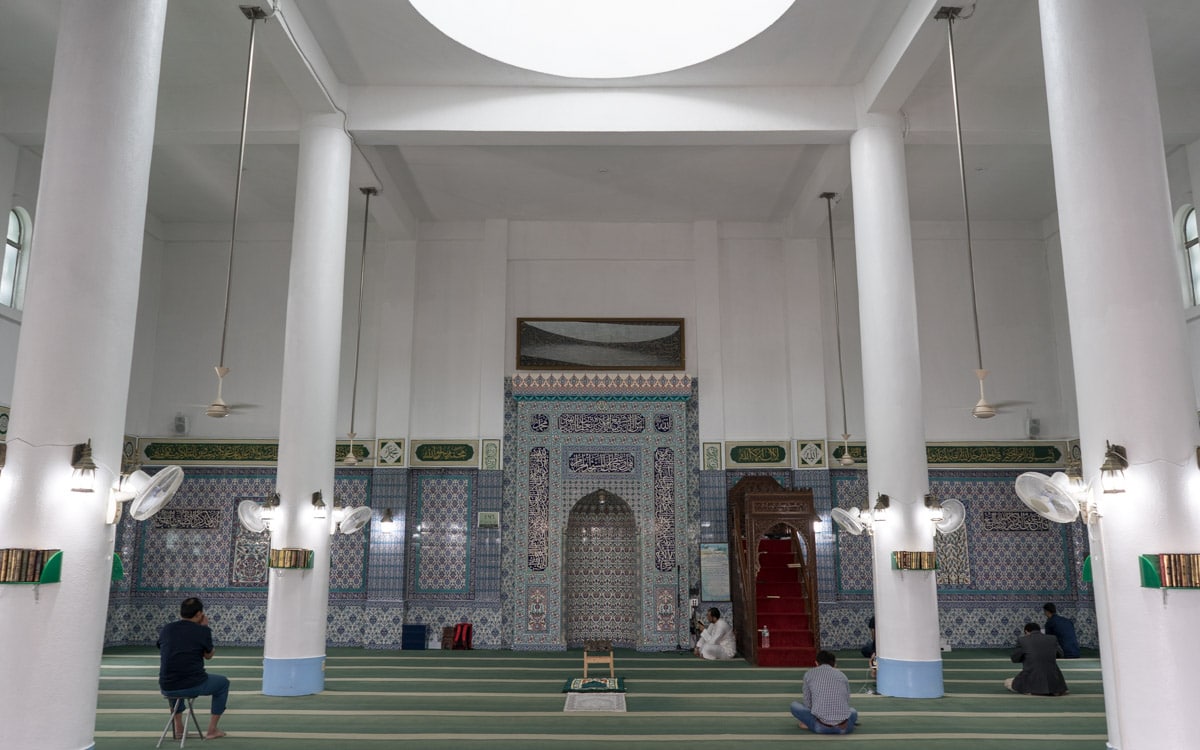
(294, 676)
(910, 679)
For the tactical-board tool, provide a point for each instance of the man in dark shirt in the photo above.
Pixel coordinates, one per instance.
(826, 705)
(1036, 653)
(1063, 629)
(183, 646)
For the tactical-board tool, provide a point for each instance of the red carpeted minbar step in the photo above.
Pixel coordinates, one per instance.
(780, 604)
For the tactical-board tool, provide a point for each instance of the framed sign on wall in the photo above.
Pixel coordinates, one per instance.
(600, 344)
(714, 572)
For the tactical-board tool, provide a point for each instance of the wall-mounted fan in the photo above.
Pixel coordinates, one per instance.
(355, 520)
(1048, 497)
(250, 516)
(954, 515)
(156, 493)
(848, 520)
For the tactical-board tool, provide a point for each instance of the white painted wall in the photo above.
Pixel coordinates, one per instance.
(428, 318)
(187, 341)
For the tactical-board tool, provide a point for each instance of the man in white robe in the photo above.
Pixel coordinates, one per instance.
(716, 640)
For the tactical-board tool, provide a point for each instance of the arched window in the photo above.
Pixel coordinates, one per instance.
(1191, 254)
(16, 259)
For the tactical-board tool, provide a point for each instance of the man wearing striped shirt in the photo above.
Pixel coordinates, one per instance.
(826, 705)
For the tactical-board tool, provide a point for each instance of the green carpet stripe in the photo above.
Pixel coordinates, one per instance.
(492, 700)
(353, 736)
(775, 713)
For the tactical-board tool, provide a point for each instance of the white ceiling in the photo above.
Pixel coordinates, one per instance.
(382, 56)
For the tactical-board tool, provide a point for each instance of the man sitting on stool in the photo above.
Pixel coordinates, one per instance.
(716, 640)
(183, 646)
(826, 705)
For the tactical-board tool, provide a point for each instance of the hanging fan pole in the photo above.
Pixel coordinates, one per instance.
(254, 14)
(837, 324)
(362, 275)
(951, 14)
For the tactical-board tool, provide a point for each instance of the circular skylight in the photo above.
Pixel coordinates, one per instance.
(601, 38)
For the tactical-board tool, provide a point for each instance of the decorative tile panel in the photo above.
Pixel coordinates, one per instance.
(440, 536)
(490, 458)
(538, 535)
(550, 417)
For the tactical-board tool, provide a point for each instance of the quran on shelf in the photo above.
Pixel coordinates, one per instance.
(1179, 570)
(23, 565)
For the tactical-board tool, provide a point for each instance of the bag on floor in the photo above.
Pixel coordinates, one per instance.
(462, 635)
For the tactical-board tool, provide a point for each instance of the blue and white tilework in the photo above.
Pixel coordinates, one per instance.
(643, 425)
(440, 534)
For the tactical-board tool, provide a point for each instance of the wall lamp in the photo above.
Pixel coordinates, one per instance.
(1112, 471)
(388, 524)
(318, 504)
(83, 479)
(882, 503)
(936, 513)
(269, 507)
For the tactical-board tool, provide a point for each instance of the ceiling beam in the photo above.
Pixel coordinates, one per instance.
(473, 115)
(288, 43)
(904, 59)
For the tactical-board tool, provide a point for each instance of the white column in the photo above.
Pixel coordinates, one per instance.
(73, 361)
(910, 662)
(1130, 351)
(706, 332)
(294, 651)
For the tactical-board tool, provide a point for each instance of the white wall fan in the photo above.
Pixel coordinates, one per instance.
(954, 515)
(848, 520)
(148, 495)
(1049, 497)
(250, 516)
(355, 520)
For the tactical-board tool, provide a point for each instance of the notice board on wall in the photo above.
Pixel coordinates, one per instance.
(714, 572)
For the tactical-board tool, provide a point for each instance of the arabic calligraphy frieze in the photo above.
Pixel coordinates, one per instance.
(1006, 520)
(662, 422)
(664, 508)
(187, 518)
(444, 452)
(1046, 454)
(212, 453)
(539, 423)
(993, 454)
(601, 462)
(538, 538)
(758, 454)
(601, 422)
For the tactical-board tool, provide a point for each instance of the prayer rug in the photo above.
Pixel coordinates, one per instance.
(595, 685)
(607, 702)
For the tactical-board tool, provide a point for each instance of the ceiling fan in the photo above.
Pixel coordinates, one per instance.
(983, 408)
(218, 408)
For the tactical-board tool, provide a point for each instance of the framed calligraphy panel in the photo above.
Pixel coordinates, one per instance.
(600, 344)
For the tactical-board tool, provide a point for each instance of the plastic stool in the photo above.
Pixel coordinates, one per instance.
(190, 701)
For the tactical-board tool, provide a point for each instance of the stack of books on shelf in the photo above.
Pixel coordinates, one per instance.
(23, 565)
(1179, 570)
(290, 557)
(916, 560)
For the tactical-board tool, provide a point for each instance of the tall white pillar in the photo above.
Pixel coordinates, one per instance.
(1130, 354)
(73, 362)
(910, 661)
(297, 600)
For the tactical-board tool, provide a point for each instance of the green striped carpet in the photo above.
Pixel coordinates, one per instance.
(504, 700)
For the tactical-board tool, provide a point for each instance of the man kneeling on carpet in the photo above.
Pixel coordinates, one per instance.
(826, 705)
(716, 640)
(1036, 653)
(183, 647)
